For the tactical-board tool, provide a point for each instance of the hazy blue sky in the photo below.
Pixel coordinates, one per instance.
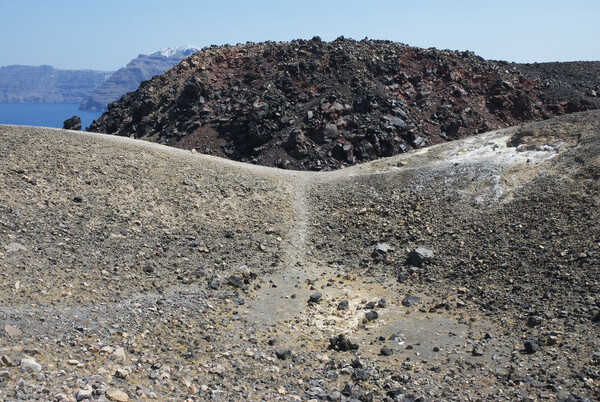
(106, 34)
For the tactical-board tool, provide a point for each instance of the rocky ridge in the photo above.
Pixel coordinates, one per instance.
(465, 270)
(314, 105)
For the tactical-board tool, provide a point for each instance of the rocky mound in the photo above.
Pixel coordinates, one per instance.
(313, 105)
(466, 270)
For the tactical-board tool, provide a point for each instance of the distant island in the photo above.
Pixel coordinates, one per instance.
(92, 89)
(128, 78)
(46, 84)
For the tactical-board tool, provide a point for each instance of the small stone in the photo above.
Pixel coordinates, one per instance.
(477, 351)
(342, 344)
(596, 318)
(534, 321)
(83, 394)
(236, 282)
(385, 351)
(530, 346)
(14, 247)
(121, 373)
(119, 354)
(356, 363)
(361, 375)
(410, 300)
(383, 248)
(11, 331)
(30, 364)
(343, 305)
(395, 392)
(382, 303)
(78, 199)
(370, 316)
(315, 297)
(6, 361)
(106, 349)
(115, 394)
(420, 256)
(73, 362)
(283, 354)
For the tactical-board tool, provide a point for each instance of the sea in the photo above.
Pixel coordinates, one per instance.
(44, 114)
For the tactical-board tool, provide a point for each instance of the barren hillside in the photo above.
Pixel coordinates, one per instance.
(466, 270)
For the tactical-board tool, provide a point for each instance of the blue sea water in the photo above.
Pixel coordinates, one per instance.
(44, 114)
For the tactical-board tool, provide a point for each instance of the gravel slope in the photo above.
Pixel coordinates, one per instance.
(130, 270)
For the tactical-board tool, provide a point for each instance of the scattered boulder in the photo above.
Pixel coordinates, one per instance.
(115, 394)
(410, 300)
(534, 321)
(385, 351)
(30, 364)
(371, 316)
(530, 346)
(383, 248)
(12, 331)
(343, 305)
(235, 281)
(74, 123)
(14, 247)
(342, 344)
(315, 297)
(283, 354)
(419, 256)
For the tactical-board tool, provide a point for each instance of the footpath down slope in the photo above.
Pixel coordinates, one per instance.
(133, 270)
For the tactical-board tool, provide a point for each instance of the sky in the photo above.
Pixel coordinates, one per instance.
(107, 34)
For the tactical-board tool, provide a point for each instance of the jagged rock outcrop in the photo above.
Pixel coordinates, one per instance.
(74, 123)
(46, 84)
(313, 105)
(128, 78)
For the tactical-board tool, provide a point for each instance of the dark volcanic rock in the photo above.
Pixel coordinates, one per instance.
(410, 300)
(530, 346)
(313, 105)
(343, 305)
(74, 123)
(283, 354)
(342, 344)
(420, 256)
(371, 316)
(315, 297)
